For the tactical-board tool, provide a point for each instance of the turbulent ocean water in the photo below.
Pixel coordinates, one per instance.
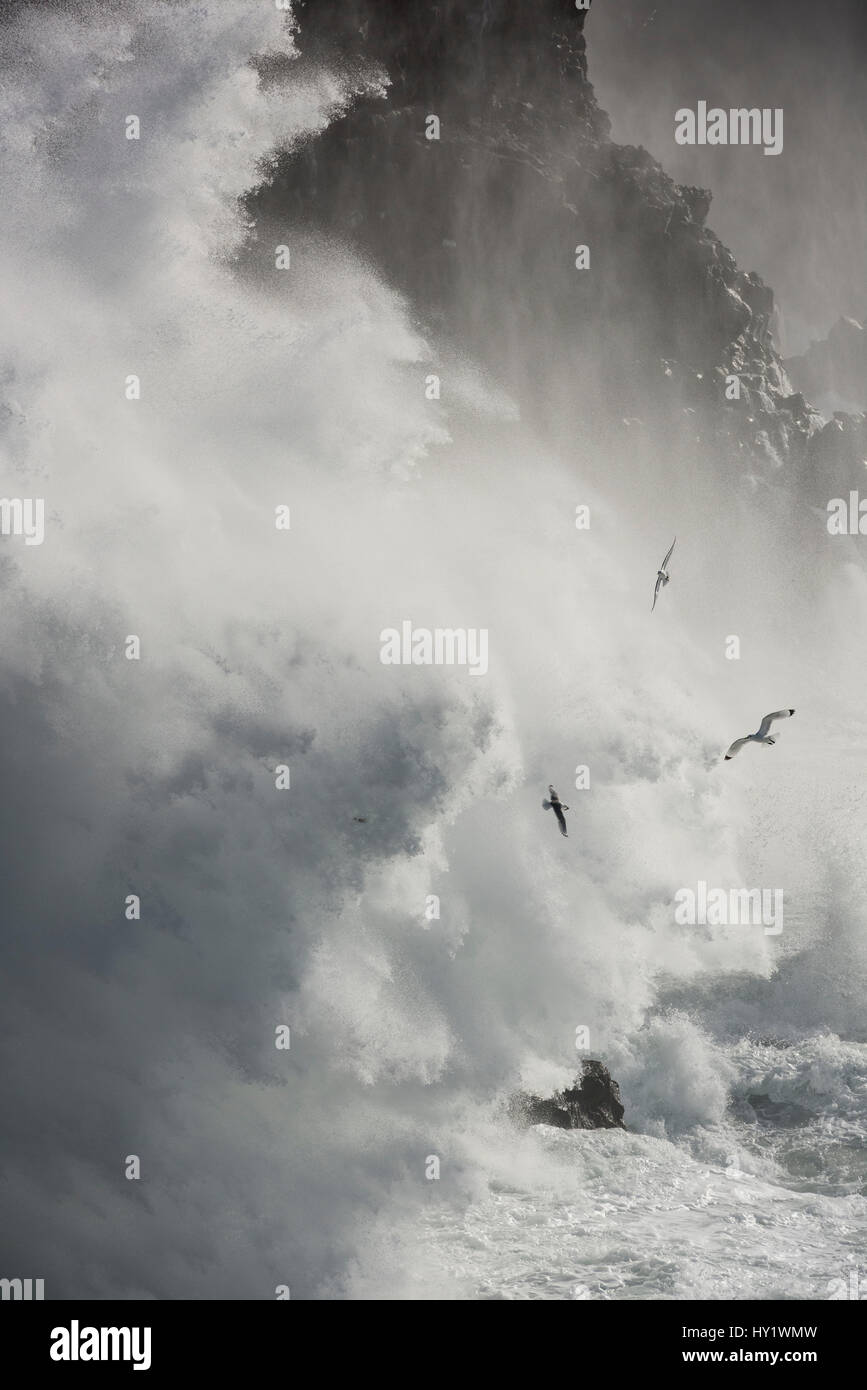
(741, 1055)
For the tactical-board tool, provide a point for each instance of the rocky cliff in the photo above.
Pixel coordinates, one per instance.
(835, 367)
(480, 226)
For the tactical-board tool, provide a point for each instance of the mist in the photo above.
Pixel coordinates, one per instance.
(305, 907)
(797, 218)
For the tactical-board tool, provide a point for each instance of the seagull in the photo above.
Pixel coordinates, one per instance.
(558, 807)
(661, 577)
(761, 735)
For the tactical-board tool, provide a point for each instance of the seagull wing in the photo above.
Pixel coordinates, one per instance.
(668, 556)
(656, 593)
(737, 746)
(769, 719)
(561, 819)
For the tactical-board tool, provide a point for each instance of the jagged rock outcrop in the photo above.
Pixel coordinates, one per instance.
(480, 227)
(592, 1103)
(835, 366)
(836, 457)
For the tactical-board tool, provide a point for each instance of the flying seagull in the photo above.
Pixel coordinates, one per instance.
(761, 735)
(558, 807)
(662, 577)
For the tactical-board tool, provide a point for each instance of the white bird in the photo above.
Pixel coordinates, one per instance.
(558, 807)
(761, 735)
(662, 578)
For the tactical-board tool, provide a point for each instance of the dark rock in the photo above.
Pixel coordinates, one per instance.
(425, 47)
(524, 170)
(837, 365)
(592, 1103)
(698, 201)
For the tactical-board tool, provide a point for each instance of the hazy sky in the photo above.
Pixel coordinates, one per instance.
(800, 218)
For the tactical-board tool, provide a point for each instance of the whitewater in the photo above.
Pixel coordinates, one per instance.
(304, 388)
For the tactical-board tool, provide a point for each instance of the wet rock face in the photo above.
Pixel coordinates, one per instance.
(835, 366)
(427, 46)
(592, 1103)
(480, 228)
(835, 458)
